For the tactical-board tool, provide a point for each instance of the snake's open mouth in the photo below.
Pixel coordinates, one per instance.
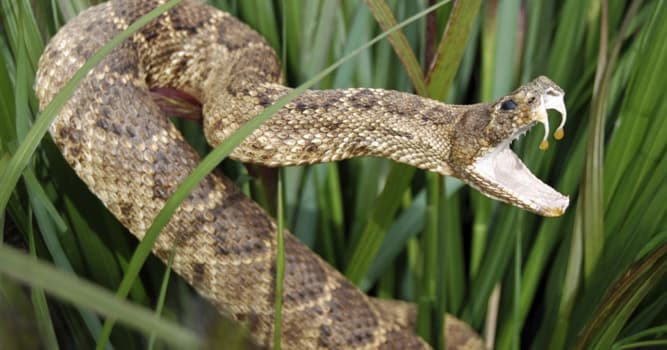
(506, 178)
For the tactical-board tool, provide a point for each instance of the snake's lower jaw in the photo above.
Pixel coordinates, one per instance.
(501, 175)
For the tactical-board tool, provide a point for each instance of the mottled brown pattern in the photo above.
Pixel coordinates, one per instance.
(117, 140)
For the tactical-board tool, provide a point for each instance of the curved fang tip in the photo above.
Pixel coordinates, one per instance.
(552, 99)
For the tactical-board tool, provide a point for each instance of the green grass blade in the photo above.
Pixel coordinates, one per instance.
(400, 43)
(7, 124)
(651, 344)
(292, 12)
(631, 341)
(24, 76)
(454, 274)
(22, 29)
(507, 49)
(163, 294)
(86, 295)
(37, 192)
(591, 203)
(280, 266)
(621, 301)
(335, 205)
(380, 218)
(570, 286)
(14, 302)
(568, 39)
(38, 298)
(370, 172)
(360, 68)
(306, 217)
(327, 238)
(70, 8)
(318, 38)
(450, 50)
(428, 288)
(260, 15)
(638, 108)
(52, 226)
(516, 295)
(406, 226)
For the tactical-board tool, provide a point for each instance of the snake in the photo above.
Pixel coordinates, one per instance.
(114, 133)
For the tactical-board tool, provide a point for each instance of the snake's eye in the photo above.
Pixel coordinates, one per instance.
(508, 105)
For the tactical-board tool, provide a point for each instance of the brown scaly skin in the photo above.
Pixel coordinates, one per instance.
(117, 140)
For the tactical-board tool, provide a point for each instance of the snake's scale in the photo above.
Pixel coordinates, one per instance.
(117, 140)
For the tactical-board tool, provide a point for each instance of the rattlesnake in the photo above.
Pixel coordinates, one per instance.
(117, 140)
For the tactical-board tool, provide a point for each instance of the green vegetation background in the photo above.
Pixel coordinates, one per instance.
(592, 279)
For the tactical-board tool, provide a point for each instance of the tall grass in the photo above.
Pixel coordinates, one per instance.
(592, 279)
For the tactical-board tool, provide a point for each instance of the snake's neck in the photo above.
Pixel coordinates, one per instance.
(331, 125)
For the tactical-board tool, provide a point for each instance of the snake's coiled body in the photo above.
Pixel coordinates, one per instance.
(117, 140)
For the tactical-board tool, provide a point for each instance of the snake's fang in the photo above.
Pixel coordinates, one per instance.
(552, 99)
(544, 119)
(544, 145)
(559, 134)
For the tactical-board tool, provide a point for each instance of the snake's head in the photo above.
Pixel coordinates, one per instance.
(483, 139)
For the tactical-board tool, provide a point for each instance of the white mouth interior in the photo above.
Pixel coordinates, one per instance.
(505, 171)
(511, 180)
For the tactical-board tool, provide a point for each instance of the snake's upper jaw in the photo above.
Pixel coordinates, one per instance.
(501, 174)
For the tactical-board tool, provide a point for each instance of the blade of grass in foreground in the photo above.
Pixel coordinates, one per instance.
(215, 157)
(85, 294)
